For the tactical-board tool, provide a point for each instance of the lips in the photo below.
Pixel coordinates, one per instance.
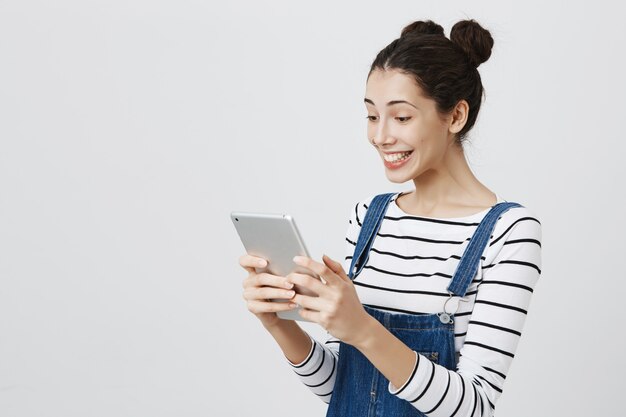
(396, 156)
(396, 160)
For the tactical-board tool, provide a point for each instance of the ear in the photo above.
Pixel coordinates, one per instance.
(458, 117)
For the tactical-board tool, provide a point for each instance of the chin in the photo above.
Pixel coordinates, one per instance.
(397, 179)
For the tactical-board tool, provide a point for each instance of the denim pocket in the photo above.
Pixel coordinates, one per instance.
(431, 356)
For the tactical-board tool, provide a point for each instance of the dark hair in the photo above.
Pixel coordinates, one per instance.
(445, 69)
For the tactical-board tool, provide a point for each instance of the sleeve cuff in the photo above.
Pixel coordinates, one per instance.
(308, 357)
(395, 391)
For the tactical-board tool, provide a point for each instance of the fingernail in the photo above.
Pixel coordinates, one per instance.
(291, 293)
(297, 258)
(262, 262)
(288, 285)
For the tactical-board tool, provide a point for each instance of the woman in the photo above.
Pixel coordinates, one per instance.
(429, 315)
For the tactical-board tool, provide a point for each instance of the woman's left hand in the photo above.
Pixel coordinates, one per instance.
(337, 307)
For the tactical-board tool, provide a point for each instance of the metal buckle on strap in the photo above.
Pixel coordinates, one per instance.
(446, 317)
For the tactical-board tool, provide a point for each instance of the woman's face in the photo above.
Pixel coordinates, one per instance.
(401, 120)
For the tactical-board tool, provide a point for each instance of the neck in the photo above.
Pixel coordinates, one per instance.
(451, 184)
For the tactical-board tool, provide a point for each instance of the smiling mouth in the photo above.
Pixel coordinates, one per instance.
(397, 157)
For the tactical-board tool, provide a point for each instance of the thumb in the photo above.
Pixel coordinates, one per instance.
(336, 267)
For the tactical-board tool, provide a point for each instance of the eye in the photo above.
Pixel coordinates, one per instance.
(403, 119)
(370, 118)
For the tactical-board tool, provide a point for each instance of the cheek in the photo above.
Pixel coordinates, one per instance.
(428, 149)
(419, 141)
(431, 139)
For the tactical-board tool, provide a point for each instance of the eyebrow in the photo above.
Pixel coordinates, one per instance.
(391, 103)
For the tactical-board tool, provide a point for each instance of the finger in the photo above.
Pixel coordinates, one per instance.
(310, 283)
(336, 267)
(249, 262)
(310, 303)
(266, 293)
(267, 279)
(320, 269)
(310, 315)
(257, 306)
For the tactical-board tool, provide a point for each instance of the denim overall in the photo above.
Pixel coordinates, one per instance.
(360, 390)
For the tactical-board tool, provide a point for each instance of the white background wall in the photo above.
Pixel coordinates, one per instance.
(130, 129)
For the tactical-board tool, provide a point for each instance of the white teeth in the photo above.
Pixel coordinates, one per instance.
(396, 156)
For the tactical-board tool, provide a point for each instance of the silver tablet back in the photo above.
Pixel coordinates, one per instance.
(274, 237)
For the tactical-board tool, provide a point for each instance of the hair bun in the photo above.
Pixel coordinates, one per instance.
(473, 39)
(422, 27)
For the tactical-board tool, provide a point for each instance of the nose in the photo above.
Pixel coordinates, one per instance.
(382, 136)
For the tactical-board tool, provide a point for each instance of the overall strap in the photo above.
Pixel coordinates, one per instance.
(468, 265)
(371, 223)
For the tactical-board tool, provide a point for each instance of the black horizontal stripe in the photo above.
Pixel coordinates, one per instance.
(331, 341)
(514, 241)
(332, 371)
(490, 384)
(437, 258)
(460, 334)
(408, 382)
(430, 380)
(307, 359)
(511, 261)
(423, 239)
(324, 395)
(399, 310)
(426, 219)
(476, 399)
(398, 274)
(462, 397)
(356, 214)
(442, 397)
(493, 303)
(521, 219)
(509, 284)
(493, 326)
(318, 368)
(482, 345)
(438, 294)
(495, 372)
(396, 255)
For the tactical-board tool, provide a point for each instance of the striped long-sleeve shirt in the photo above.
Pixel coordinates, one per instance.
(411, 263)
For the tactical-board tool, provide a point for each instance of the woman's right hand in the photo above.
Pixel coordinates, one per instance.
(260, 287)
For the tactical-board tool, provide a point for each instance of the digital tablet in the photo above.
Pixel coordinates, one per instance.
(274, 237)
